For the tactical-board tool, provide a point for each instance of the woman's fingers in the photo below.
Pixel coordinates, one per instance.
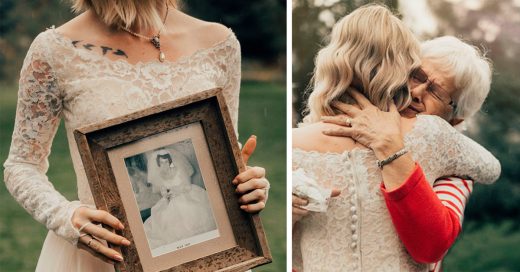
(252, 208)
(95, 253)
(248, 149)
(299, 211)
(350, 110)
(340, 132)
(361, 100)
(104, 234)
(250, 173)
(99, 247)
(297, 201)
(253, 196)
(251, 185)
(337, 120)
(104, 217)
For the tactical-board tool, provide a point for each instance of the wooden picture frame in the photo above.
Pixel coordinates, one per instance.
(201, 124)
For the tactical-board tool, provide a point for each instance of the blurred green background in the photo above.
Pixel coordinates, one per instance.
(490, 240)
(262, 112)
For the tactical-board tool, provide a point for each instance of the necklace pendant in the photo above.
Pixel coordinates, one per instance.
(156, 42)
(162, 57)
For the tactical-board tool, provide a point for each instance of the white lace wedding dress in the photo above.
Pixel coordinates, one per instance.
(356, 233)
(59, 80)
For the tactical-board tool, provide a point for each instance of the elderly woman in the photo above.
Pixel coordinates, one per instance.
(357, 233)
(452, 83)
(114, 58)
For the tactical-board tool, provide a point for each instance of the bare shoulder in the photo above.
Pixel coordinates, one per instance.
(300, 137)
(206, 33)
(311, 138)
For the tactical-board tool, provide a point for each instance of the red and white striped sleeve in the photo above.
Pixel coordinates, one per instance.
(454, 194)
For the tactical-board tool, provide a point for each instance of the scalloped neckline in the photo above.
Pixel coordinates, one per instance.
(68, 41)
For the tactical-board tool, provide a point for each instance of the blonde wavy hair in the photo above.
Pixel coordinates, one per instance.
(371, 50)
(126, 13)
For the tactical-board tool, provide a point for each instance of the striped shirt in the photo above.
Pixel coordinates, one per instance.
(453, 193)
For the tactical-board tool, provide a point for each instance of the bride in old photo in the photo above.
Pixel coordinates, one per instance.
(184, 209)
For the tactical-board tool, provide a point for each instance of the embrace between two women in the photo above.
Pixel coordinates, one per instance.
(378, 133)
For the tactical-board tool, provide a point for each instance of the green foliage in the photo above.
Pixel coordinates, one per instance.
(499, 132)
(262, 105)
(259, 25)
(487, 247)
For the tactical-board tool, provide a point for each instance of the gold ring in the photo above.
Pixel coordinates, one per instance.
(84, 226)
(90, 241)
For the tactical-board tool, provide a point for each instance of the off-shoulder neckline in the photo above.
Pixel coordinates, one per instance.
(406, 138)
(218, 45)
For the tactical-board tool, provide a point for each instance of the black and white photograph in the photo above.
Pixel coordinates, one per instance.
(171, 197)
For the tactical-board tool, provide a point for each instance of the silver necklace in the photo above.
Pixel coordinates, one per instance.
(155, 40)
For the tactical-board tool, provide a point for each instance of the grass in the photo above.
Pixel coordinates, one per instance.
(262, 112)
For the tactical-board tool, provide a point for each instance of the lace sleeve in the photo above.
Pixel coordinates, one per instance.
(454, 154)
(231, 88)
(38, 114)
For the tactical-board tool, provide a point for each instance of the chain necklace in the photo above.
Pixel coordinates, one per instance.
(155, 40)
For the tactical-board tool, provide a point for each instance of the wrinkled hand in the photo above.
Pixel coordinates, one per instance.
(252, 184)
(297, 203)
(93, 237)
(371, 127)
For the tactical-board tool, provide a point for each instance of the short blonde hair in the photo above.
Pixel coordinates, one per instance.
(125, 13)
(370, 47)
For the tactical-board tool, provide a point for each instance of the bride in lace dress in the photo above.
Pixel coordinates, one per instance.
(98, 66)
(356, 233)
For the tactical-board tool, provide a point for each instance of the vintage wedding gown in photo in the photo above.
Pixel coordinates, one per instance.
(356, 233)
(59, 80)
(184, 210)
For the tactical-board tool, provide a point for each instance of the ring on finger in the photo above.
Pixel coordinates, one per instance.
(348, 122)
(90, 241)
(84, 226)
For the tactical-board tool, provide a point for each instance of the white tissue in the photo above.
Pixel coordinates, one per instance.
(305, 187)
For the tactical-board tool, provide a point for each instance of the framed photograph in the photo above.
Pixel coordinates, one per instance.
(166, 173)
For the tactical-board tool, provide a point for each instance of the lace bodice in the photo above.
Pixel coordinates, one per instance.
(58, 80)
(356, 233)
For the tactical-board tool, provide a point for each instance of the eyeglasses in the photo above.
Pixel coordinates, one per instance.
(419, 77)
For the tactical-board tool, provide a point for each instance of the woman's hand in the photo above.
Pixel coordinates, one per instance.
(297, 212)
(297, 203)
(92, 235)
(251, 184)
(366, 124)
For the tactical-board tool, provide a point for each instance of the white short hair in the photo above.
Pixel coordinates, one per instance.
(469, 67)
